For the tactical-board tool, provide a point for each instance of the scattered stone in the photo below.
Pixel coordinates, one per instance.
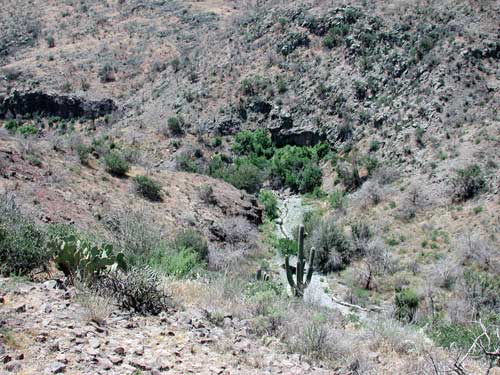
(13, 366)
(115, 360)
(106, 364)
(56, 368)
(139, 351)
(46, 308)
(140, 365)
(94, 343)
(20, 309)
(120, 351)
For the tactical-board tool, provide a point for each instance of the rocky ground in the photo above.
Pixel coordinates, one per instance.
(44, 331)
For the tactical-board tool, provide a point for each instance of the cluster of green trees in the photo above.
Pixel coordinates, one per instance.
(258, 160)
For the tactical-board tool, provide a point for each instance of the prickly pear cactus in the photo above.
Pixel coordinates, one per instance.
(78, 258)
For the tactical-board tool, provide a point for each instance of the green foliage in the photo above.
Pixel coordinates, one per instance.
(337, 199)
(374, 145)
(83, 152)
(334, 251)
(148, 188)
(11, 126)
(291, 166)
(22, 243)
(81, 259)
(287, 247)
(191, 240)
(15, 127)
(270, 203)
(281, 85)
(116, 164)
(253, 143)
(175, 125)
(254, 85)
(178, 263)
(27, 129)
(106, 73)
(482, 291)
(336, 34)
(186, 163)
(461, 335)
(297, 168)
(51, 42)
(406, 303)
(468, 183)
(244, 175)
(291, 42)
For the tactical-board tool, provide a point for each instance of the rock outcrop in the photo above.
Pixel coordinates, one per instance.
(285, 132)
(67, 107)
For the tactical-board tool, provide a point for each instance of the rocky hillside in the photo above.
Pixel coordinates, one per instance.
(168, 138)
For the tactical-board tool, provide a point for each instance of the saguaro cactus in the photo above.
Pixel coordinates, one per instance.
(299, 285)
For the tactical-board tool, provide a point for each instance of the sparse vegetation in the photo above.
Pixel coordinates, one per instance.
(270, 203)
(468, 182)
(148, 188)
(22, 242)
(116, 164)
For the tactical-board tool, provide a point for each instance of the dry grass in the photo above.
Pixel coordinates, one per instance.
(96, 308)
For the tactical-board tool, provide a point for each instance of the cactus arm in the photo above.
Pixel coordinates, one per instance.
(289, 274)
(310, 267)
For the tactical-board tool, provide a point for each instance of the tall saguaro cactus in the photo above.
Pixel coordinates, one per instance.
(299, 285)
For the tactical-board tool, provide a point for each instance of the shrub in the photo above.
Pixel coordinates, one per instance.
(51, 42)
(335, 36)
(107, 73)
(244, 175)
(22, 243)
(176, 64)
(333, 249)
(349, 175)
(139, 290)
(468, 183)
(337, 199)
(374, 145)
(406, 303)
(482, 291)
(136, 234)
(185, 162)
(26, 130)
(175, 125)
(287, 247)
(178, 263)
(11, 126)
(461, 336)
(83, 152)
(191, 240)
(270, 203)
(292, 41)
(207, 195)
(148, 188)
(256, 143)
(116, 164)
(297, 168)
